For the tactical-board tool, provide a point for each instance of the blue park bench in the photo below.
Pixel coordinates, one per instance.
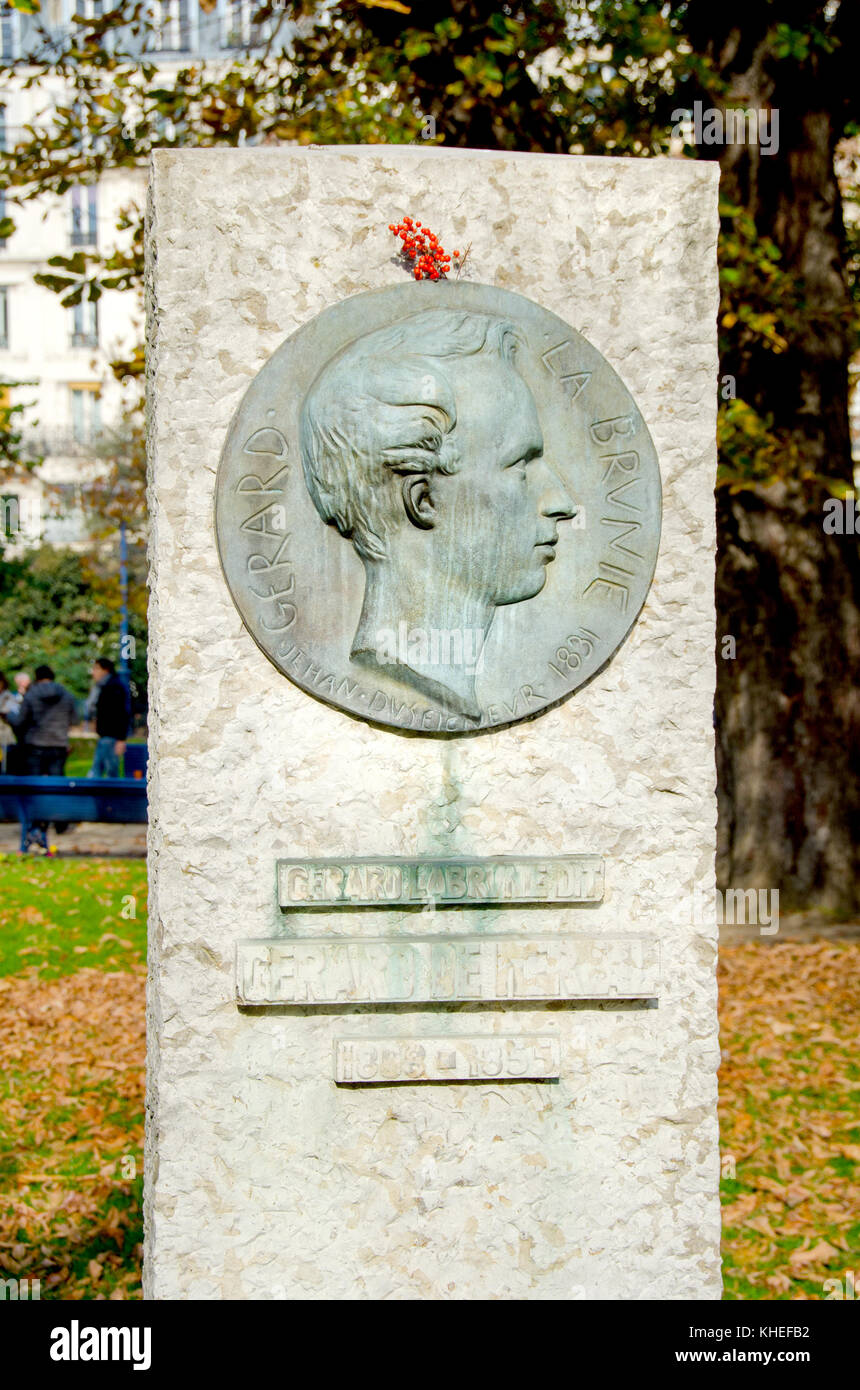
(113, 800)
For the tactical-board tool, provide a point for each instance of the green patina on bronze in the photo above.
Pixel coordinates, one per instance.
(554, 880)
(438, 508)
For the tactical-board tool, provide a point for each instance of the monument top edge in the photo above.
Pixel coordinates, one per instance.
(697, 171)
(502, 859)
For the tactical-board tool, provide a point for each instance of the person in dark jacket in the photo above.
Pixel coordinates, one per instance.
(42, 725)
(112, 716)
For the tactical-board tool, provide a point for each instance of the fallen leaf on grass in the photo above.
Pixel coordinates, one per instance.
(780, 1283)
(770, 1185)
(816, 1254)
(789, 1100)
(795, 1195)
(761, 1224)
(737, 1211)
(88, 1116)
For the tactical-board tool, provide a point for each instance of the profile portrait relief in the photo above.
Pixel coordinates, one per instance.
(421, 444)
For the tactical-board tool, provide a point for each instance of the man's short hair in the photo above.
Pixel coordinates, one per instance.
(106, 664)
(44, 673)
(385, 405)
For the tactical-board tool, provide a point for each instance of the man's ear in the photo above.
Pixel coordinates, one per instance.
(418, 500)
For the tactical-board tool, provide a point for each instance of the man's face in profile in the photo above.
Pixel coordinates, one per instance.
(422, 445)
(496, 517)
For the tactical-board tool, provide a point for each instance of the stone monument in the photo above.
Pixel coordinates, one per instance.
(432, 791)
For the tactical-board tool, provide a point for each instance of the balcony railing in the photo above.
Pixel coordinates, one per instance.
(29, 37)
(64, 442)
(83, 236)
(87, 339)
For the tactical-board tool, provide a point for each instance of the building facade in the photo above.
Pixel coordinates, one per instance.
(56, 360)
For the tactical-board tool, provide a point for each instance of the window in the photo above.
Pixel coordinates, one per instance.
(10, 515)
(85, 216)
(210, 22)
(85, 324)
(2, 190)
(4, 320)
(85, 142)
(242, 29)
(9, 32)
(238, 23)
(164, 127)
(86, 412)
(177, 25)
(66, 519)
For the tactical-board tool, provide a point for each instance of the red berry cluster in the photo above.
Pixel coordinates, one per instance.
(421, 251)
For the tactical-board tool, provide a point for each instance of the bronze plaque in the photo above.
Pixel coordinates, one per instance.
(438, 508)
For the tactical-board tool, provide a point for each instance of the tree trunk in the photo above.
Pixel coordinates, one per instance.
(788, 704)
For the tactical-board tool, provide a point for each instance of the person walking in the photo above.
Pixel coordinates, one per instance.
(112, 717)
(8, 704)
(42, 724)
(22, 685)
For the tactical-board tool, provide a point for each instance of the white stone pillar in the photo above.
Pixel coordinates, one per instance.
(267, 1178)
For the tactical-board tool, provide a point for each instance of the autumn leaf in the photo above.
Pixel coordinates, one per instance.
(816, 1254)
(385, 5)
(788, 1115)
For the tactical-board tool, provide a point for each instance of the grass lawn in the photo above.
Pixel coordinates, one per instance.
(80, 759)
(81, 753)
(62, 914)
(790, 1117)
(72, 946)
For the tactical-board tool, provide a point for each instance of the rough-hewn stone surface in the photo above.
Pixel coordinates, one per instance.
(264, 1178)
